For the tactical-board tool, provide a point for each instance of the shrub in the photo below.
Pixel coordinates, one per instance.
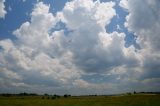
(43, 97)
(66, 95)
(53, 97)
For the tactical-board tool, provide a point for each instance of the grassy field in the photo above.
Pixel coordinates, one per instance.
(132, 100)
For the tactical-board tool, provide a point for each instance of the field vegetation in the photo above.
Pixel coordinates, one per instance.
(68, 100)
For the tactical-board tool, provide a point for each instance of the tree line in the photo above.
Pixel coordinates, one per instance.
(48, 96)
(35, 94)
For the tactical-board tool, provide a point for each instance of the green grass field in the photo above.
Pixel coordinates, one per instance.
(132, 100)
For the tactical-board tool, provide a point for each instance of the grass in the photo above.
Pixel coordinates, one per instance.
(132, 100)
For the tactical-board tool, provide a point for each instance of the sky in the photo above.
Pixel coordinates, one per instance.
(79, 47)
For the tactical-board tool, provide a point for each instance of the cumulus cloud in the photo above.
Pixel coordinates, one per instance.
(97, 47)
(124, 4)
(144, 21)
(42, 57)
(2, 9)
(34, 56)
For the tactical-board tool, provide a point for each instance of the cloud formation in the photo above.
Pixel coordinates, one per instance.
(82, 57)
(144, 22)
(33, 56)
(124, 4)
(2, 9)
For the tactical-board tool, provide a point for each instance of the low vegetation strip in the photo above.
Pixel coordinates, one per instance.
(126, 100)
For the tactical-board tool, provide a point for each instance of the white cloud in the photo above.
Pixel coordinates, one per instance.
(124, 4)
(36, 32)
(2, 9)
(79, 11)
(98, 48)
(143, 21)
(149, 25)
(45, 58)
(48, 58)
(34, 52)
(10, 74)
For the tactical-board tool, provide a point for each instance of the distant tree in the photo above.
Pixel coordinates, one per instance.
(43, 97)
(66, 95)
(53, 97)
(46, 94)
(23, 94)
(56, 96)
(6, 95)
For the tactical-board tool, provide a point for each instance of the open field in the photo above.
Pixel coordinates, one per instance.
(132, 100)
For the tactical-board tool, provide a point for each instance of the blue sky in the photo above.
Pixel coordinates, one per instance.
(78, 46)
(20, 11)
